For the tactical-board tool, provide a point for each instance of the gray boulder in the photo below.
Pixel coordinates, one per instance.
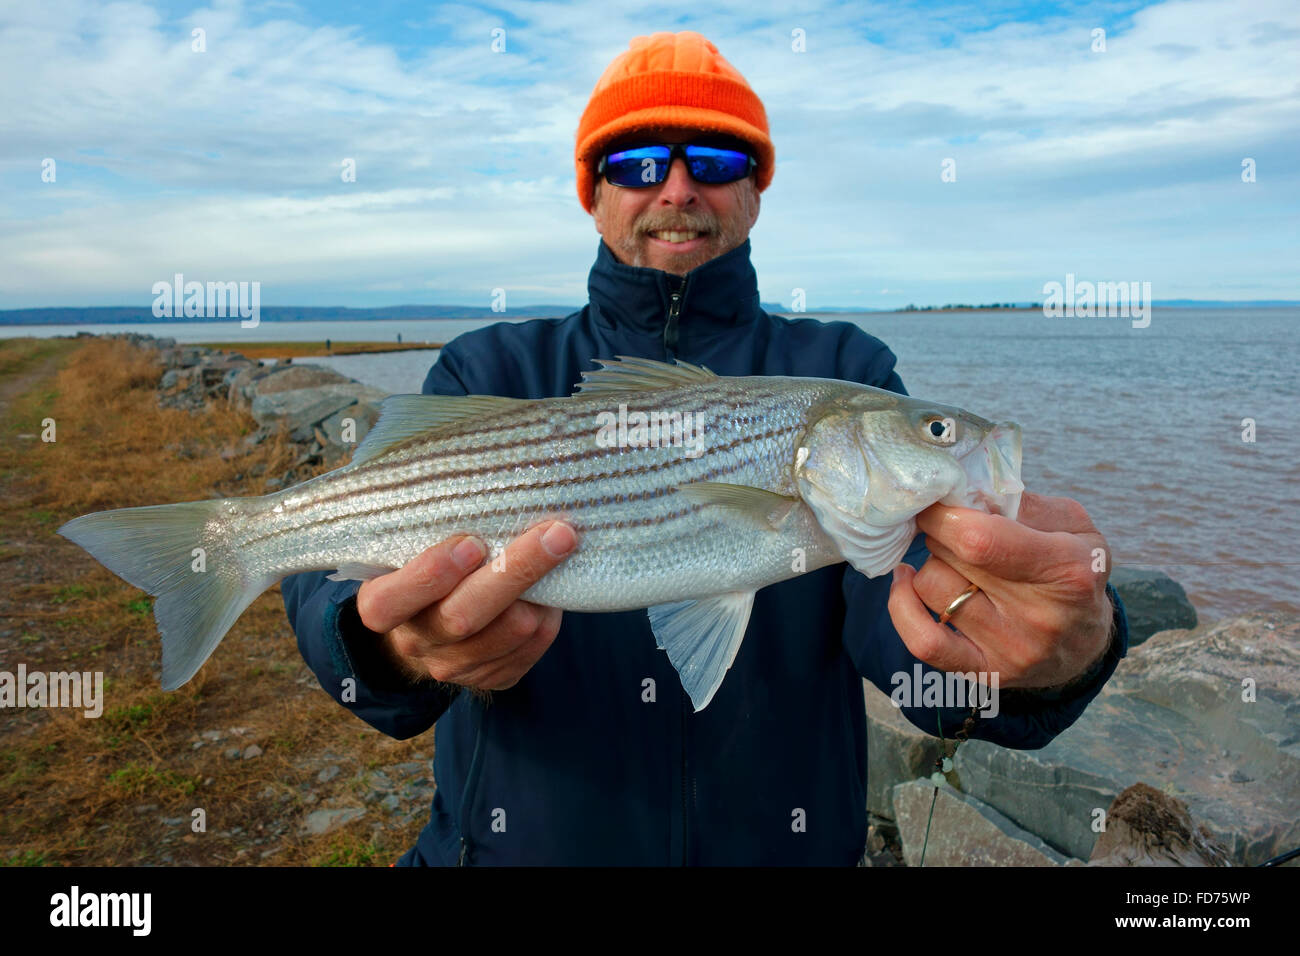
(897, 752)
(288, 378)
(1208, 716)
(299, 410)
(1153, 602)
(962, 831)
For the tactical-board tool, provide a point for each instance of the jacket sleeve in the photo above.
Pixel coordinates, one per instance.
(1025, 719)
(342, 651)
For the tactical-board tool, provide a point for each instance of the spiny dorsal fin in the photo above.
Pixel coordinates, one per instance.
(403, 417)
(630, 374)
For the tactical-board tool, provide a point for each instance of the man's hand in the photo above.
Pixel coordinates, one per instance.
(443, 619)
(1041, 616)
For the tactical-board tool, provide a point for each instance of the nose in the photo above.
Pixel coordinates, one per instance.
(678, 187)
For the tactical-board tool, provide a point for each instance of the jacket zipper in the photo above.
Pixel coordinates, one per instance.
(670, 323)
(471, 778)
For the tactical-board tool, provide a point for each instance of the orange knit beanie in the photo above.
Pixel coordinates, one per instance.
(670, 79)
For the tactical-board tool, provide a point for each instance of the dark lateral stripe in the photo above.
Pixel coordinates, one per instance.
(506, 467)
(575, 505)
(717, 405)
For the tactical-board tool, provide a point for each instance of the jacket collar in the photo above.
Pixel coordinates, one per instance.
(720, 294)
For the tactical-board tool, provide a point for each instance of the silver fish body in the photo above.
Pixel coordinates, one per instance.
(749, 481)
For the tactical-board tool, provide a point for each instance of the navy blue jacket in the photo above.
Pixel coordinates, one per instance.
(573, 765)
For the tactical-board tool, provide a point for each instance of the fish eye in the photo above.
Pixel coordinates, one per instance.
(941, 429)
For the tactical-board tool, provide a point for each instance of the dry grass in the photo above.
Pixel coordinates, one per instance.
(98, 791)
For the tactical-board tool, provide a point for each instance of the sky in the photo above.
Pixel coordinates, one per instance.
(1113, 161)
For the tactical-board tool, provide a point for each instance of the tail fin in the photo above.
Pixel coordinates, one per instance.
(153, 549)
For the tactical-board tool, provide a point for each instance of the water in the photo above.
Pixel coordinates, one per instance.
(1141, 426)
(381, 330)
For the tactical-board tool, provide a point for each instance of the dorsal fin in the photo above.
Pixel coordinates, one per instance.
(403, 417)
(630, 374)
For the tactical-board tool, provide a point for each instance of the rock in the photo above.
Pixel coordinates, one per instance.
(963, 831)
(391, 803)
(300, 408)
(1153, 602)
(1145, 827)
(323, 821)
(242, 382)
(251, 751)
(897, 751)
(363, 416)
(328, 774)
(1172, 715)
(169, 379)
(290, 378)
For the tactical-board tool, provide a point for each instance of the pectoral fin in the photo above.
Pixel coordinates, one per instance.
(702, 638)
(764, 508)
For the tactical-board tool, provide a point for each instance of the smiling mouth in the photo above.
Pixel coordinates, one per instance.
(677, 236)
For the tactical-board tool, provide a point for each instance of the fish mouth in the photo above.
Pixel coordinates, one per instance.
(992, 472)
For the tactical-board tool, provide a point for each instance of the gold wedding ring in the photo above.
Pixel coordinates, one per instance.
(957, 602)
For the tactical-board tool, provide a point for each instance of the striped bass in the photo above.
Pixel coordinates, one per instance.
(688, 491)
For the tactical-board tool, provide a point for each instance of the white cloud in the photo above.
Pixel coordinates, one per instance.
(227, 162)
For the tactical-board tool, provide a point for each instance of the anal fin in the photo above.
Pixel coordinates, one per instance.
(702, 638)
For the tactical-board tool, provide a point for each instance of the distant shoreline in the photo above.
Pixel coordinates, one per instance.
(265, 350)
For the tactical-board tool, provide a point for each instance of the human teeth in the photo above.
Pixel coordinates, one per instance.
(675, 236)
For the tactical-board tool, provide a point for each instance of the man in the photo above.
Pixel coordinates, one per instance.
(589, 751)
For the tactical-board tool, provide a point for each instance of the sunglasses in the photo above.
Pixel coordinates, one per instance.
(641, 166)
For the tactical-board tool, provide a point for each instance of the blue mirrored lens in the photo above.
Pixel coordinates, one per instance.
(709, 164)
(648, 165)
(642, 166)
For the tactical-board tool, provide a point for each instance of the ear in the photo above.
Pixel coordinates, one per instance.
(596, 211)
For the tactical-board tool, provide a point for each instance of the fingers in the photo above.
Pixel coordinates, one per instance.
(1047, 513)
(934, 643)
(494, 658)
(937, 584)
(507, 670)
(992, 546)
(491, 589)
(392, 599)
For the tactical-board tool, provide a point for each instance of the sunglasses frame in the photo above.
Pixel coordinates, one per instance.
(675, 150)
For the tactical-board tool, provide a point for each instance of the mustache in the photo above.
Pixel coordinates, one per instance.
(678, 223)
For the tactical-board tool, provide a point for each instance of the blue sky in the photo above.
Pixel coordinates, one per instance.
(225, 165)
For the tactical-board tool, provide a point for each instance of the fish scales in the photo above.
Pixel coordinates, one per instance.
(495, 478)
